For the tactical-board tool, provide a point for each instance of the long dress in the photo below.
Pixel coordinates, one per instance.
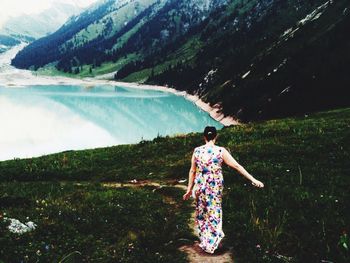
(207, 191)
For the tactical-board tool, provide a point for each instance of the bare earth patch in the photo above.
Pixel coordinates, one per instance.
(196, 256)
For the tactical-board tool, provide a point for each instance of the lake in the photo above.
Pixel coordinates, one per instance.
(43, 119)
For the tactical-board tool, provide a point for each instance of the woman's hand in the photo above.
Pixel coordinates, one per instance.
(257, 183)
(187, 195)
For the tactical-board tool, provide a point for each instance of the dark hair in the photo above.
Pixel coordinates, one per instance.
(210, 133)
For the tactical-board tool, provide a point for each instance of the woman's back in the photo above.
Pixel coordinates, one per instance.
(208, 158)
(208, 178)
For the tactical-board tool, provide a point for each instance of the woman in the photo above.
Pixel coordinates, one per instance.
(205, 184)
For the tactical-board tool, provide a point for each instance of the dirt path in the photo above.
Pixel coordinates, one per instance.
(194, 253)
(196, 256)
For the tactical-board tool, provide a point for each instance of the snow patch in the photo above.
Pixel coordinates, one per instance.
(209, 75)
(284, 91)
(246, 74)
(315, 14)
(287, 32)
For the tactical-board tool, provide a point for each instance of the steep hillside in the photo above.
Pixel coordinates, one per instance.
(80, 33)
(254, 59)
(83, 201)
(115, 29)
(283, 58)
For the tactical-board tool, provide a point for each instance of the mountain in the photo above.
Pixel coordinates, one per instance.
(251, 59)
(6, 42)
(41, 24)
(27, 28)
(113, 29)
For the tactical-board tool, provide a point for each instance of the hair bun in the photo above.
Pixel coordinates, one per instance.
(210, 132)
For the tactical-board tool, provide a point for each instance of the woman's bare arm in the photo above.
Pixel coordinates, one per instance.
(230, 161)
(191, 175)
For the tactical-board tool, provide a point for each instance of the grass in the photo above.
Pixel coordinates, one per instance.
(185, 55)
(108, 67)
(302, 214)
(125, 37)
(51, 70)
(100, 224)
(118, 18)
(88, 34)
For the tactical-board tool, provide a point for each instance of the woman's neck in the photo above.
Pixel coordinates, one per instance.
(210, 143)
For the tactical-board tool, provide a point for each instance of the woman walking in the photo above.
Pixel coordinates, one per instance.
(206, 185)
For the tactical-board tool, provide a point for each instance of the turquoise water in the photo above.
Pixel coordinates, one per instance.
(38, 120)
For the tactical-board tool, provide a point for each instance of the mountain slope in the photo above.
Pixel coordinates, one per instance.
(39, 25)
(27, 28)
(7, 42)
(254, 59)
(114, 29)
(273, 64)
(78, 31)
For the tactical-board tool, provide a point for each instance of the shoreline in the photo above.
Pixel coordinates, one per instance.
(13, 77)
(214, 112)
(22, 78)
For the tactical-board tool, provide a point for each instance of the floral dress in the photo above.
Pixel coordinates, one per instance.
(207, 191)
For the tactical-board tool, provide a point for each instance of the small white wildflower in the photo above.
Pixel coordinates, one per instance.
(31, 225)
(19, 228)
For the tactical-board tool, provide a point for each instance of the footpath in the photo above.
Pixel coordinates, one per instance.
(194, 253)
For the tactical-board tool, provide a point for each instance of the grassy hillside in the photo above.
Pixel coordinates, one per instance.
(302, 214)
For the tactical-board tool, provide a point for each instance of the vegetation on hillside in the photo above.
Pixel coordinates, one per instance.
(302, 214)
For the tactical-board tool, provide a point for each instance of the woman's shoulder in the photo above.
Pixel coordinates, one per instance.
(220, 148)
(199, 148)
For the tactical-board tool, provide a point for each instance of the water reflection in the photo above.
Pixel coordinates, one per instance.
(112, 115)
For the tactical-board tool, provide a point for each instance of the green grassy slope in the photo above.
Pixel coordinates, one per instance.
(301, 215)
